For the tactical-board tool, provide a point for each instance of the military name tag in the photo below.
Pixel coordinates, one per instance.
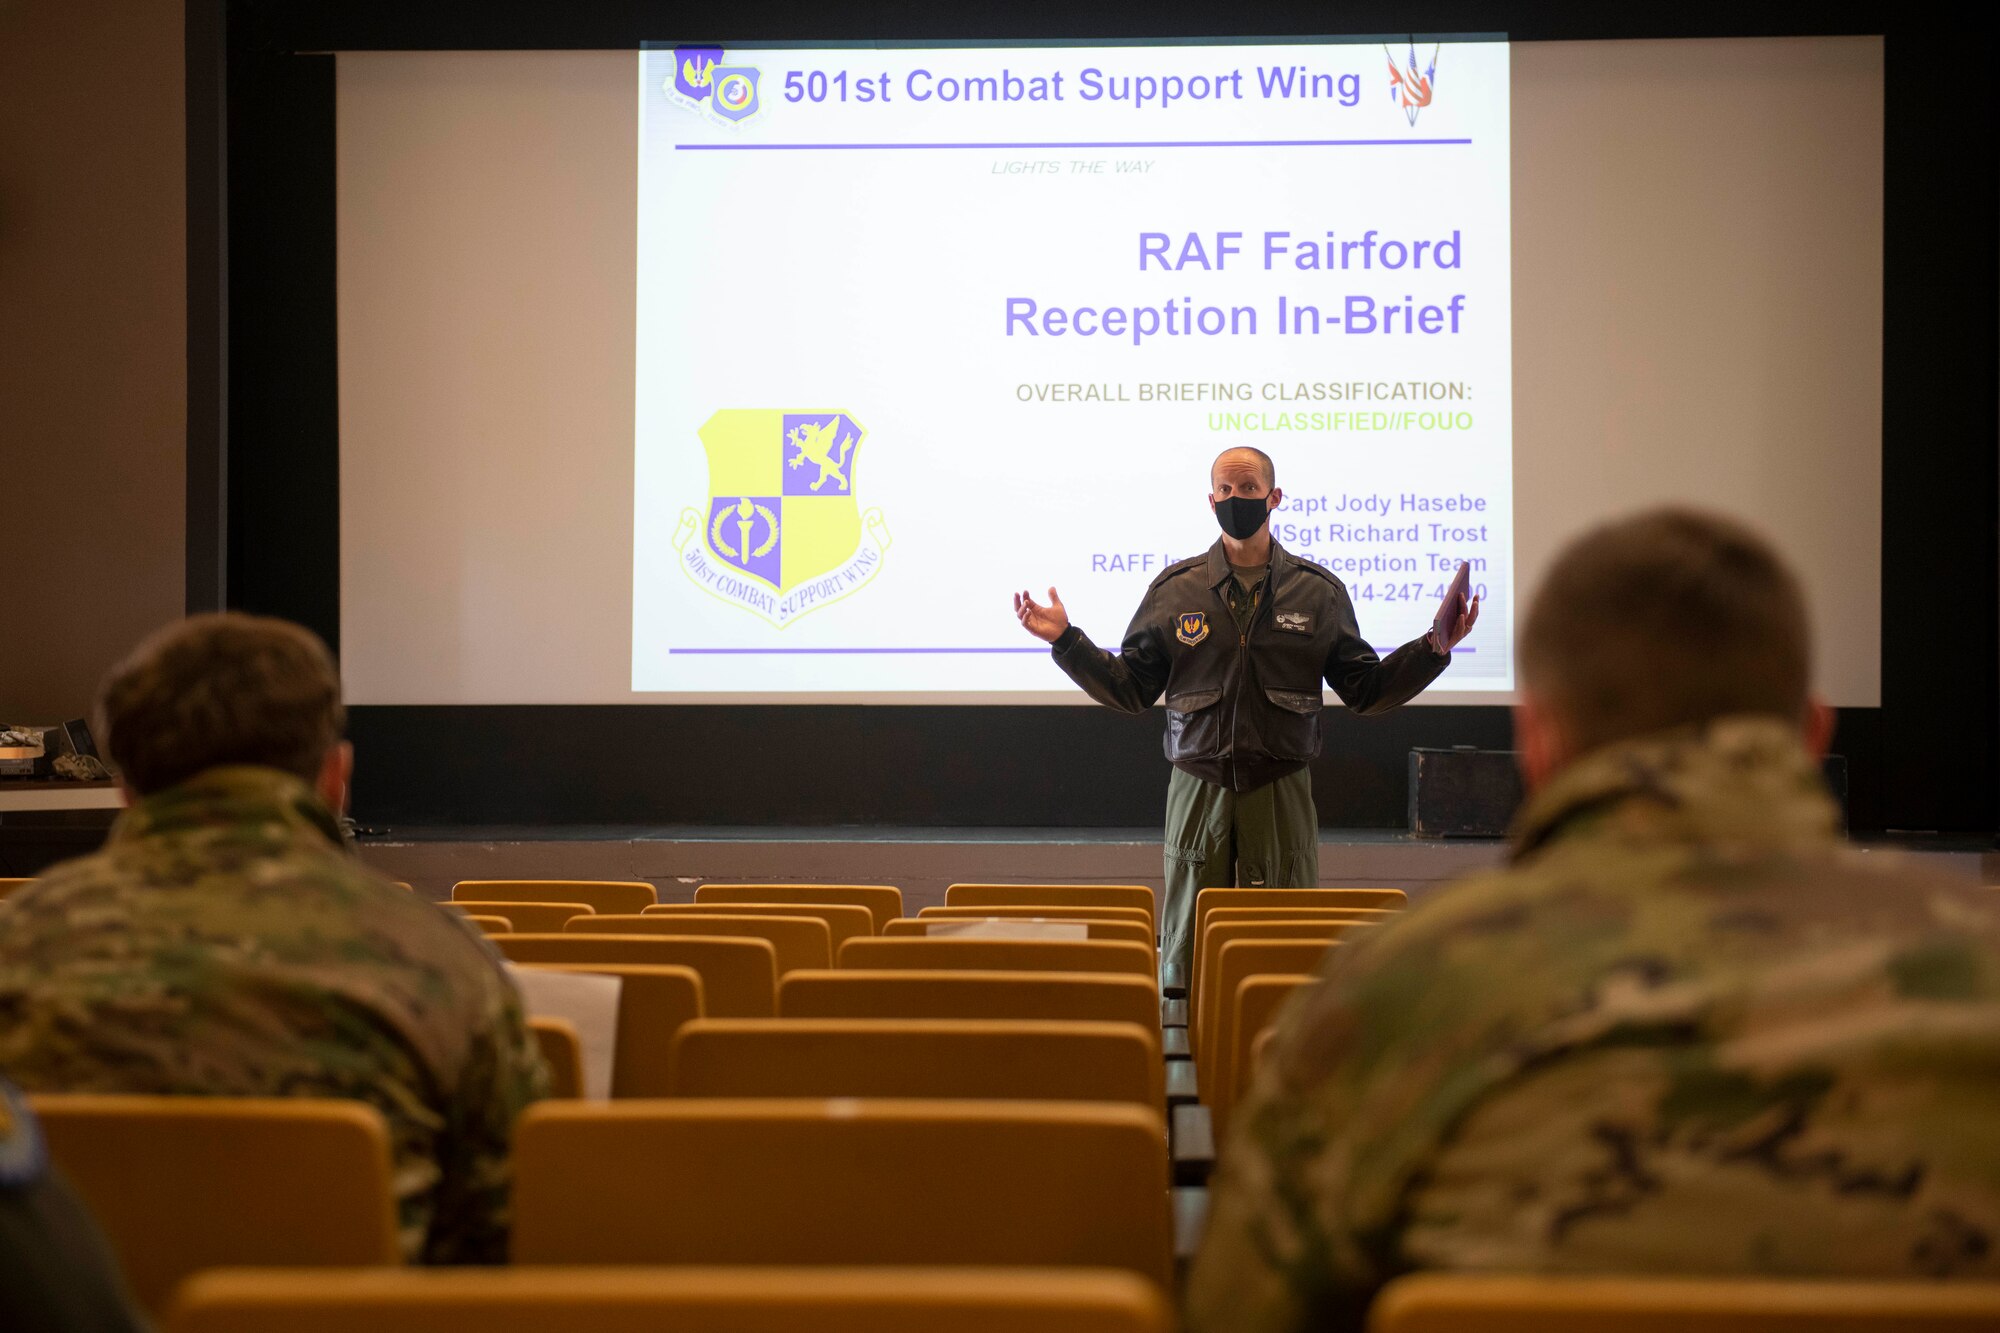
(1294, 622)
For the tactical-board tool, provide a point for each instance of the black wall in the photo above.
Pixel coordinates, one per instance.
(264, 379)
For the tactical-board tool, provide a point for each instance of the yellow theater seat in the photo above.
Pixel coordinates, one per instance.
(994, 1183)
(1358, 915)
(562, 1051)
(1260, 1055)
(490, 925)
(739, 976)
(1061, 996)
(1452, 1303)
(12, 886)
(1233, 962)
(1116, 956)
(181, 1184)
(603, 895)
(1068, 912)
(1054, 895)
(800, 941)
(1218, 933)
(654, 1002)
(647, 1300)
(1138, 932)
(925, 1057)
(884, 903)
(1209, 900)
(529, 918)
(844, 921)
(1251, 1012)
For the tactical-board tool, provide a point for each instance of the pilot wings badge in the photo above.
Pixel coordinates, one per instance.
(781, 534)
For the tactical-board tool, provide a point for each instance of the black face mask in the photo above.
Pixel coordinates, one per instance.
(1241, 516)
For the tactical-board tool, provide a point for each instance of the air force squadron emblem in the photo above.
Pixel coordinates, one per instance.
(735, 96)
(782, 534)
(1192, 627)
(703, 82)
(694, 73)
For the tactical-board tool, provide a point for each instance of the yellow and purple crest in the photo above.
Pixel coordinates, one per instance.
(1191, 627)
(694, 71)
(782, 533)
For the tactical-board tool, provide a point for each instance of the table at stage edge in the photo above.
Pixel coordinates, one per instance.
(18, 794)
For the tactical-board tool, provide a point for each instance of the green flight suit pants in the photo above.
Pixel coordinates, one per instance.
(1218, 838)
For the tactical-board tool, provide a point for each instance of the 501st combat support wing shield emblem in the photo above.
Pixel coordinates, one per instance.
(782, 534)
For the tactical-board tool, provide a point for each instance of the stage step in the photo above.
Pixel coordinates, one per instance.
(1174, 1044)
(1173, 1013)
(1180, 1083)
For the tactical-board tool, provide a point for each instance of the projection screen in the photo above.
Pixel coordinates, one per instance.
(753, 375)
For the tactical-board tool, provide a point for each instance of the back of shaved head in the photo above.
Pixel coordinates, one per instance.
(1265, 467)
(1670, 618)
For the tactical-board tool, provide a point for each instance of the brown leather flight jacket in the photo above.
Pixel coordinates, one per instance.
(1243, 708)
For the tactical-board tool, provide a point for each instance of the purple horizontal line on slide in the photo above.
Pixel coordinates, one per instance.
(797, 651)
(1135, 143)
(794, 652)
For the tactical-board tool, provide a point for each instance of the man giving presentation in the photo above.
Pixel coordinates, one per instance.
(1239, 640)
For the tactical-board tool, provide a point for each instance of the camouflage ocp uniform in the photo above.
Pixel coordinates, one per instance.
(222, 943)
(1687, 1032)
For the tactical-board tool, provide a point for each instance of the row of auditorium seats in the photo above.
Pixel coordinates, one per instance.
(802, 935)
(740, 973)
(648, 1300)
(884, 903)
(181, 1183)
(894, 1130)
(835, 1300)
(778, 1215)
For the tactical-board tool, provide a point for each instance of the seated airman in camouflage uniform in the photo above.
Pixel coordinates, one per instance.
(1686, 1031)
(225, 943)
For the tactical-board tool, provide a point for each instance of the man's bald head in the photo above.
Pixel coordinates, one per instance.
(1238, 465)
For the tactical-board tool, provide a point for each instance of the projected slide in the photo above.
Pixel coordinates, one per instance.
(917, 329)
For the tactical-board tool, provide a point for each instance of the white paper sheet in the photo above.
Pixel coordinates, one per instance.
(590, 1003)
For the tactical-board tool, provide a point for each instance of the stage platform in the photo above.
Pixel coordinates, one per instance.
(922, 862)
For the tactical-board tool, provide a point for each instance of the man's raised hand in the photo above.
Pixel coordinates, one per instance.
(1455, 619)
(1465, 625)
(1044, 622)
